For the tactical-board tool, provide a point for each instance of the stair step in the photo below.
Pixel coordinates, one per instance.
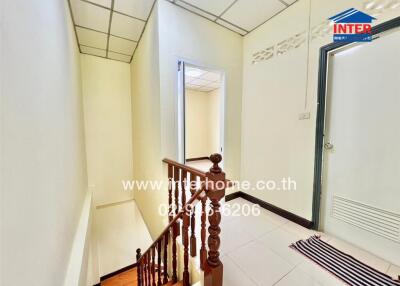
(129, 278)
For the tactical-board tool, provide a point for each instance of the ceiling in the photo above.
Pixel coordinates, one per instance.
(201, 80)
(112, 28)
(240, 16)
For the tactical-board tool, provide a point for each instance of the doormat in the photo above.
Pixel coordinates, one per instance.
(343, 266)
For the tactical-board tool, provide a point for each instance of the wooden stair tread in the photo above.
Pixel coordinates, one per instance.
(129, 278)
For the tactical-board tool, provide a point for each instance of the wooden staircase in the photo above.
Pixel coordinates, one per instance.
(129, 278)
(205, 188)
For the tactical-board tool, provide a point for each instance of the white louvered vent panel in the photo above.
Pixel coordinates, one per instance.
(369, 218)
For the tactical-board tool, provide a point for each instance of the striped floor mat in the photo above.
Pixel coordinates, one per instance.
(343, 266)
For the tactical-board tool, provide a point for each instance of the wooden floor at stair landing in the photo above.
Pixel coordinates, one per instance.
(127, 278)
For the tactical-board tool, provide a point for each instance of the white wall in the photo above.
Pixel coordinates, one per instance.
(43, 168)
(108, 127)
(202, 123)
(275, 143)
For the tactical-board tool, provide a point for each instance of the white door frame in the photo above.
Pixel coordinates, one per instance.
(181, 108)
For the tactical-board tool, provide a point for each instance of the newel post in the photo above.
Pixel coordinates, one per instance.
(138, 267)
(215, 184)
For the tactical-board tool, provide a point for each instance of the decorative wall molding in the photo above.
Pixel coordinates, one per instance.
(263, 55)
(280, 48)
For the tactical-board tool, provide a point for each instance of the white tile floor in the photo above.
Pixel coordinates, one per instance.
(254, 251)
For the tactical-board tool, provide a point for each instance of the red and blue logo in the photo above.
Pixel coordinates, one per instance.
(352, 26)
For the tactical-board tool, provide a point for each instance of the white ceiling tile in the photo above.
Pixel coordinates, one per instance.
(194, 72)
(119, 57)
(91, 38)
(214, 85)
(93, 51)
(106, 3)
(231, 27)
(90, 16)
(136, 8)
(126, 27)
(188, 79)
(196, 10)
(248, 14)
(211, 76)
(215, 7)
(200, 82)
(121, 46)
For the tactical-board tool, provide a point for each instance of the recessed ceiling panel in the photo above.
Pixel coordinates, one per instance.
(215, 7)
(93, 51)
(136, 8)
(126, 27)
(90, 16)
(231, 27)
(105, 3)
(196, 10)
(248, 14)
(91, 38)
(119, 57)
(121, 46)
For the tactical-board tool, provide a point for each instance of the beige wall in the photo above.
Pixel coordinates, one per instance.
(275, 143)
(202, 123)
(146, 122)
(154, 95)
(108, 127)
(184, 35)
(43, 164)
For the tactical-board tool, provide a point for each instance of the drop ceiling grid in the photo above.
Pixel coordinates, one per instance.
(126, 20)
(116, 39)
(202, 82)
(232, 16)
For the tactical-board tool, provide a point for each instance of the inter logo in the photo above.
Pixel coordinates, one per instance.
(352, 26)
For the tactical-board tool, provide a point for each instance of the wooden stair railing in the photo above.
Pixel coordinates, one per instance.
(158, 264)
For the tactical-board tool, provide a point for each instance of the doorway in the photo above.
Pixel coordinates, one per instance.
(360, 195)
(201, 101)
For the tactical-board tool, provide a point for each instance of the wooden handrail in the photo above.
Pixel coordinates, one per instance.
(192, 170)
(183, 221)
(174, 220)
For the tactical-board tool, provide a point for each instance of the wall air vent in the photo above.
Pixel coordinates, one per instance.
(378, 221)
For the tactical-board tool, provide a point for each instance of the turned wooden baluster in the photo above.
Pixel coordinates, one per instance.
(170, 186)
(176, 180)
(148, 269)
(165, 281)
(159, 263)
(139, 274)
(174, 262)
(193, 218)
(203, 233)
(213, 272)
(185, 241)
(183, 186)
(145, 270)
(153, 265)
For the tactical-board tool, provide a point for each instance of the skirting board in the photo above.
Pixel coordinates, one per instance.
(283, 213)
(126, 268)
(197, 159)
